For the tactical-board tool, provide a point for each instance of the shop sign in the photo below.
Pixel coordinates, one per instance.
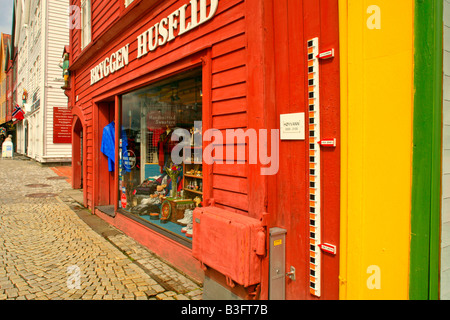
(123, 200)
(326, 54)
(158, 35)
(115, 62)
(164, 30)
(129, 159)
(328, 142)
(292, 126)
(157, 119)
(7, 149)
(330, 248)
(62, 125)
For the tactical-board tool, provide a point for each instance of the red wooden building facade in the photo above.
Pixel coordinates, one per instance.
(247, 62)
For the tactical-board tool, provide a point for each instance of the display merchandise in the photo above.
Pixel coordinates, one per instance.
(158, 190)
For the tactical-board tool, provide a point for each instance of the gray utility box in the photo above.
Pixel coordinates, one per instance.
(277, 261)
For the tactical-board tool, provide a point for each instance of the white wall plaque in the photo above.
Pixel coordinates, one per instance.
(292, 126)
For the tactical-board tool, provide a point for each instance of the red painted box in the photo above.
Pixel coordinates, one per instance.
(228, 242)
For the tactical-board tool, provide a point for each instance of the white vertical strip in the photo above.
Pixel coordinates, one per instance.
(315, 198)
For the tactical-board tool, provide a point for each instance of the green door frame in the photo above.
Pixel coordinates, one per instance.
(427, 129)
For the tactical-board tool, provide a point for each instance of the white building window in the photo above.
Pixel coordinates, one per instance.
(85, 23)
(128, 2)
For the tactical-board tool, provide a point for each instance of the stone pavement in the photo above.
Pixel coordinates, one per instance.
(53, 248)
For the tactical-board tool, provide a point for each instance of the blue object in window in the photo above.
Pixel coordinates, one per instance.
(108, 146)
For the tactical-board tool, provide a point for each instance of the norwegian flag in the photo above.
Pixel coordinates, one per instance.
(18, 114)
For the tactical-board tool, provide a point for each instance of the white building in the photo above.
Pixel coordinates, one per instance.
(41, 32)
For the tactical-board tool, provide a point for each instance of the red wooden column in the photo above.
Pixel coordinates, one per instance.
(95, 155)
(206, 120)
(284, 28)
(117, 122)
(260, 103)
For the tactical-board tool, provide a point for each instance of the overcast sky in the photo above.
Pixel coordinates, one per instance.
(6, 16)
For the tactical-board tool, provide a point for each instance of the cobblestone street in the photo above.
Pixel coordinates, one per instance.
(44, 242)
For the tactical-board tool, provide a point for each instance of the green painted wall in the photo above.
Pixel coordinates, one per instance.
(425, 215)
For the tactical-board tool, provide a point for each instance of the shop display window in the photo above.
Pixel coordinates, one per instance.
(151, 186)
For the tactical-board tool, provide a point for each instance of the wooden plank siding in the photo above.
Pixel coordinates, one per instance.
(90, 162)
(225, 22)
(56, 27)
(224, 35)
(104, 13)
(75, 34)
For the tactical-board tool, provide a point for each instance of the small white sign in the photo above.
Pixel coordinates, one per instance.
(292, 126)
(7, 149)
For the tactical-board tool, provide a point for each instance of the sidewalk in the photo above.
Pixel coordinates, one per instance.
(44, 231)
(65, 171)
(177, 285)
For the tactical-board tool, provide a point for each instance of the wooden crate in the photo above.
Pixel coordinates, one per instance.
(173, 210)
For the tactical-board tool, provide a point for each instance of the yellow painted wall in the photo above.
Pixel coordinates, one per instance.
(376, 110)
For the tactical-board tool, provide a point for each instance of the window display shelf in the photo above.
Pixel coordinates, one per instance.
(193, 176)
(194, 191)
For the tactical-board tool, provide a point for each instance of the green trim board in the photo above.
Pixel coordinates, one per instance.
(426, 175)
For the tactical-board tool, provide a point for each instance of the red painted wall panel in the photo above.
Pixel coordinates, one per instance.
(104, 13)
(255, 70)
(225, 35)
(289, 196)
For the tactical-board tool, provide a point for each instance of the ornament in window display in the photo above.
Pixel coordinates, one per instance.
(192, 136)
(166, 211)
(197, 201)
(154, 216)
(173, 172)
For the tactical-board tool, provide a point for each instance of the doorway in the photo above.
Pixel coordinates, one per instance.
(77, 155)
(104, 186)
(26, 138)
